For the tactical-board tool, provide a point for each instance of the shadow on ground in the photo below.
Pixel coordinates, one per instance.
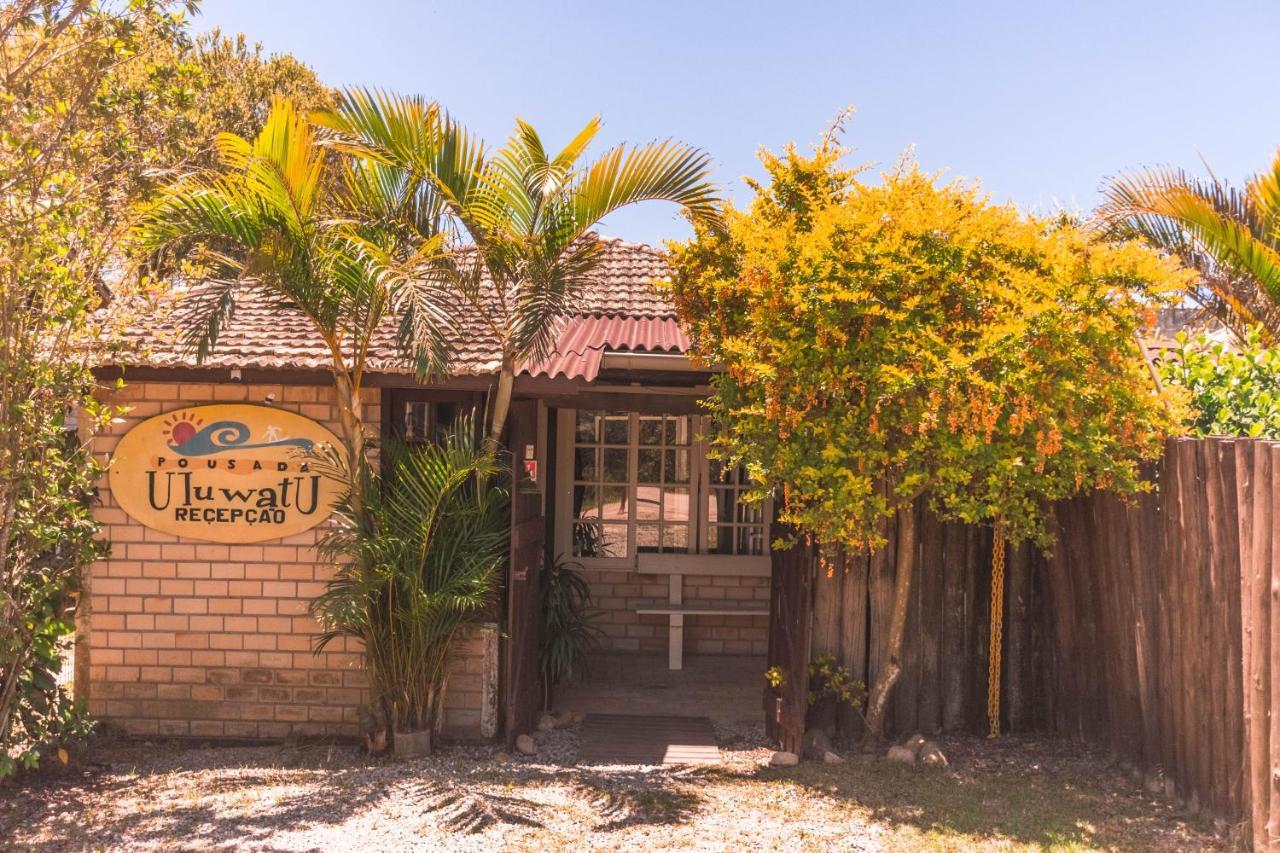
(215, 797)
(1042, 794)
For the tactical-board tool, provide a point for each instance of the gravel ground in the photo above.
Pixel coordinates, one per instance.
(1015, 794)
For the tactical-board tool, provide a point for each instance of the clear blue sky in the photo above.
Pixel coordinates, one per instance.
(1039, 100)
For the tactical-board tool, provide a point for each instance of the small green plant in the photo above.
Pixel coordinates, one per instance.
(775, 677)
(569, 631)
(1228, 392)
(829, 680)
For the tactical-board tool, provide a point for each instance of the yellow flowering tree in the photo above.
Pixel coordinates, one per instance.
(907, 339)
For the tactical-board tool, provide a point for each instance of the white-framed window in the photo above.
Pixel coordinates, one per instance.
(428, 421)
(642, 484)
(733, 526)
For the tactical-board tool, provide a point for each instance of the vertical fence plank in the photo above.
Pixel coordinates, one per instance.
(957, 639)
(790, 623)
(1018, 576)
(1273, 649)
(1262, 507)
(1146, 556)
(1254, 785)
(853, 630)
(1183, 532)
(880, 578)
(1229, 592)
(907, 690)
(1214, 783)
(932, 608)
(978, 596)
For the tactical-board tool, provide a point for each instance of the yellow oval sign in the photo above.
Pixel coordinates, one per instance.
(224, 473)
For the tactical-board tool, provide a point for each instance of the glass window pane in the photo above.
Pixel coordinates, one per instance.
(614, 507)
(718, 474)
(676, 466)
(587, 429)
(613, 540)
(415, 421)
(615, 465)
(675, 538)
(651, 429)
(617, 428)
(679, 430)
(723, 504)
(648, 500)
(591, 539)
(586, 464)
(675, 504)
(721, 540)
(586, 539)
(750, 541)
(649, 466)
(586, 502)
(750, 513)
(646, 538)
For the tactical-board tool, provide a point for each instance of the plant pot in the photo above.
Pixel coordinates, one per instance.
(412, 744)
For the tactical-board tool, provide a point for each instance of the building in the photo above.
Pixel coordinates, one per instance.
(188, 631)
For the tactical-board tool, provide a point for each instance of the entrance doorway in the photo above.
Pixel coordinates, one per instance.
(676, 560)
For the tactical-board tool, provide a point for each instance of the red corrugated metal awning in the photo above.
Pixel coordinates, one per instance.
(584, 340)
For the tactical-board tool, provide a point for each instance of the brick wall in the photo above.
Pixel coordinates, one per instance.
(179, 637)
(617, 594)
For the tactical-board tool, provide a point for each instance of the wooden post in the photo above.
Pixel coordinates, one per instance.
(790, 618)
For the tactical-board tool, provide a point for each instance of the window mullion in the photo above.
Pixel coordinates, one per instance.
(633, 473)
(700, 492)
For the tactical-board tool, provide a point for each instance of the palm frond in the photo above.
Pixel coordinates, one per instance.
(660, 171)
(1228, 236)
(203, 312)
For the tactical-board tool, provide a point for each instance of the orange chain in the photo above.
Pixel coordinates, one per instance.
(997, 633)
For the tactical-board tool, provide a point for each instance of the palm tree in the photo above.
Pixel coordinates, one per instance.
(1230, 236)
(526, 215)
(334, 236)
(431, 571)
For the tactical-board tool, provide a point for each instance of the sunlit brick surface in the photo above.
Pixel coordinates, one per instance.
(180, 637)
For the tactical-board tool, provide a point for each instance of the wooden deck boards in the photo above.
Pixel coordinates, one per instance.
(635, 739)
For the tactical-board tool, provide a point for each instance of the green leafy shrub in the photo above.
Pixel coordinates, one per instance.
(569, 631)
(828, 680)
(1227, 392)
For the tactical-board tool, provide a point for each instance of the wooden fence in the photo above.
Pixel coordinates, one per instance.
(943, 686)
(1148, 629)
(1161, 626)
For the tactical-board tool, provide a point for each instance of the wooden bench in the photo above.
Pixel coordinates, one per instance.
(675, 608)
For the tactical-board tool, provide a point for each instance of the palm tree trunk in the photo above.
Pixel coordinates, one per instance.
(501, 405)
(351, 422)
(890, 667)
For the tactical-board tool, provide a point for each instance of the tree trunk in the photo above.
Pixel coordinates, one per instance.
(351, 421)
(890, 666)
(501, 404)
(349, 418)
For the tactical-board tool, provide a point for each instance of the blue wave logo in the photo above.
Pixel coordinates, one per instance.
(230, 435)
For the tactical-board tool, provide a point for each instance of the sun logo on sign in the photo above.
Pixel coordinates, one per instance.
(181, 428)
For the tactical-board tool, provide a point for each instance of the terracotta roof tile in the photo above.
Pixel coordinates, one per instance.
(263, 335)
